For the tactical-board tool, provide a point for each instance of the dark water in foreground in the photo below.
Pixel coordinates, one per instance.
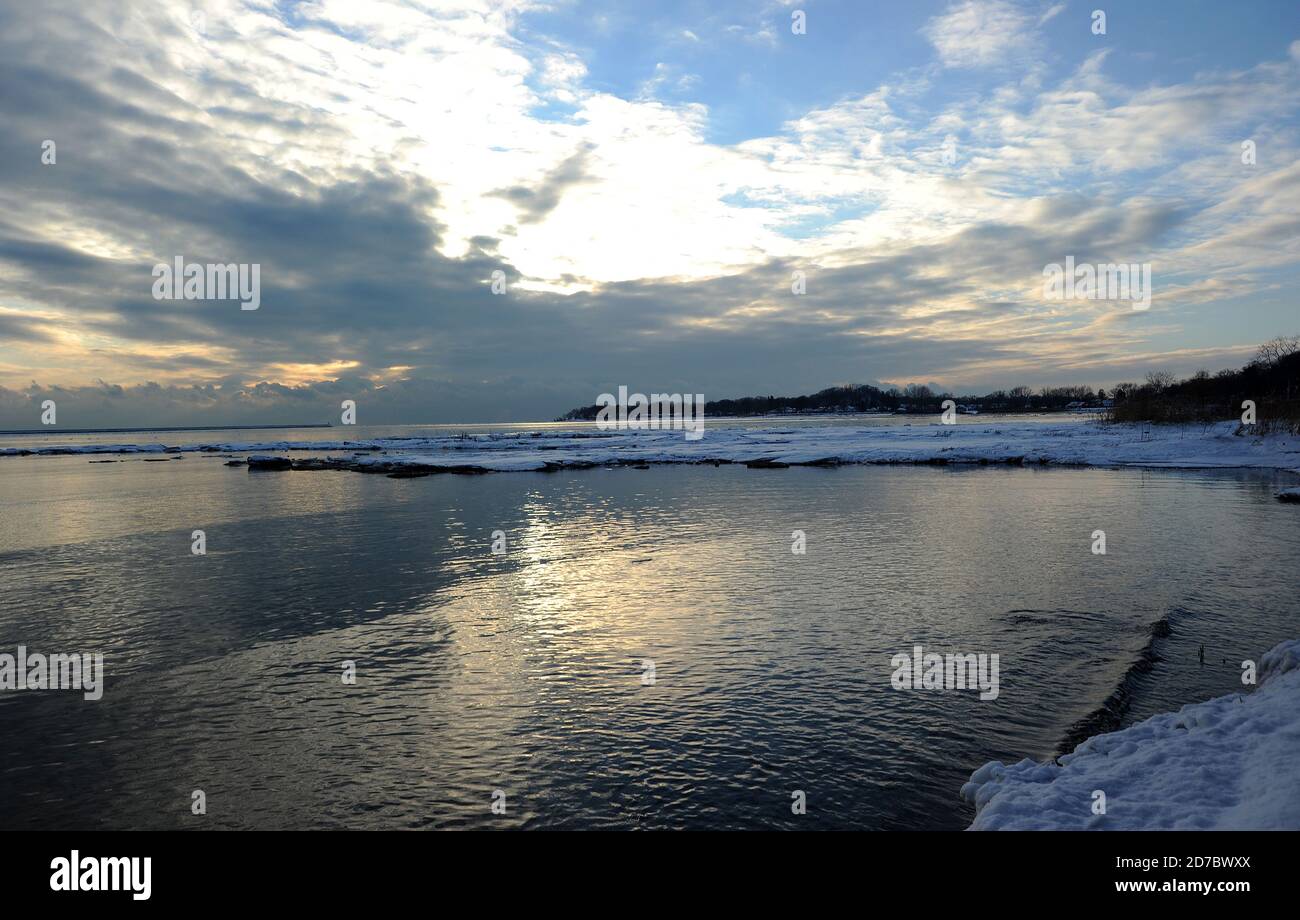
(523, 672)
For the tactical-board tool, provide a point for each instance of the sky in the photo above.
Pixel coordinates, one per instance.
(649, 181)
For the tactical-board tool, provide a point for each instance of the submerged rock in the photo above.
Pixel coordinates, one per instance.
(323, 463)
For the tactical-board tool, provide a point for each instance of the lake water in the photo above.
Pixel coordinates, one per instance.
(523, 672)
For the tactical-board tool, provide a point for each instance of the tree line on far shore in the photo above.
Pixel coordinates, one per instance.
(1271, 381)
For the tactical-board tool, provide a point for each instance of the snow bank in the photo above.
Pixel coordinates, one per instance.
(1225, 764)
(969, 441)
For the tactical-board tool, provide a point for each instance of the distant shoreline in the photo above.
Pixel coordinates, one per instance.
(762, 416)
(157, 428)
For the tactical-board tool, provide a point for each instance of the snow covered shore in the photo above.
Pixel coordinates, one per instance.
(1225, 764)
(969, 441)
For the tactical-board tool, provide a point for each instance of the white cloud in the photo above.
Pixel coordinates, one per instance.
(1051, 13)
(978, 33)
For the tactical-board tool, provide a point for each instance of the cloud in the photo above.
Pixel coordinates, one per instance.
(667, 77)
(330, 148)
(17, 327)
(1051, 13)
(536, 202)
(979, 33)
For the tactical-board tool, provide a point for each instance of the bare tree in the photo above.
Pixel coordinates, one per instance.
(1160, 380)
(1274, 350)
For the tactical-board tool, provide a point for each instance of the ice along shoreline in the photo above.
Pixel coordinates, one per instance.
(1218, 765)
(1088, 443)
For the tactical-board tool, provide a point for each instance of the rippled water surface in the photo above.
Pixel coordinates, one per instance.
(523, 672)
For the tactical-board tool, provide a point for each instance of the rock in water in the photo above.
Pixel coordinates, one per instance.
(269, 463)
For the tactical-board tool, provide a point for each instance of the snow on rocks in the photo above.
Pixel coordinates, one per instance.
(1225, 764)
(1289, 495)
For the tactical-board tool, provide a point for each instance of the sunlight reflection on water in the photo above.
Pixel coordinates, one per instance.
(522, 672)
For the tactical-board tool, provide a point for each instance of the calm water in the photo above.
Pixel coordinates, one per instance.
(523, 672)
